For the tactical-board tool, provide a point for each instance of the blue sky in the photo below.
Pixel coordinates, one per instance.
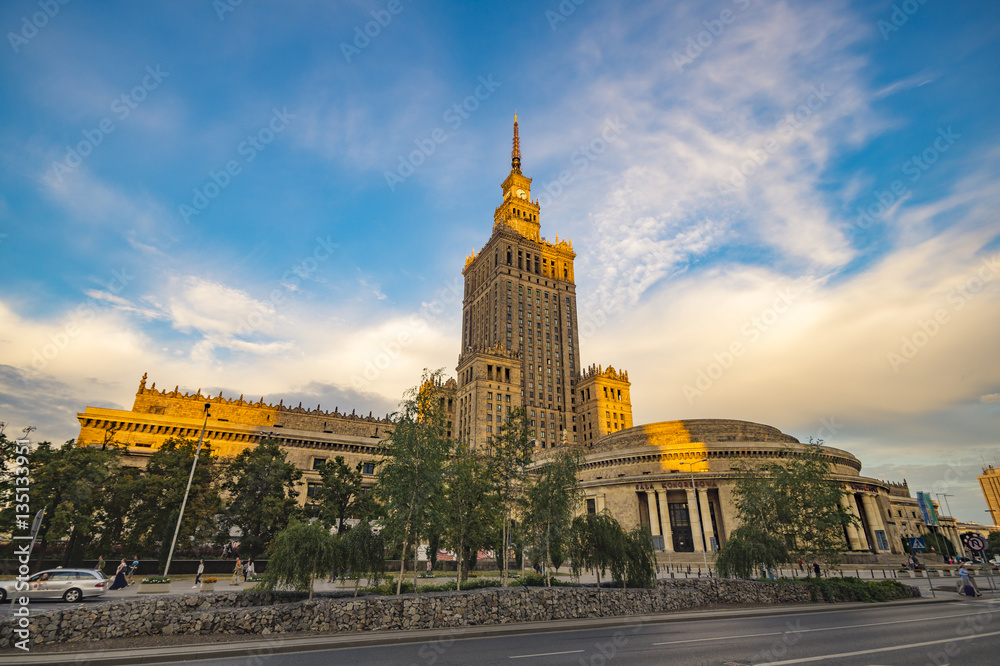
(221, 195)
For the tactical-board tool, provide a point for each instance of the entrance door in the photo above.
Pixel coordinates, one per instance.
(680, 525)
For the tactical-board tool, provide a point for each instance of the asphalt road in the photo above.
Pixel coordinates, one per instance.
(965, 632)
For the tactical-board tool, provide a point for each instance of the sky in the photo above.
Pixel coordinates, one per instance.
(783, 212)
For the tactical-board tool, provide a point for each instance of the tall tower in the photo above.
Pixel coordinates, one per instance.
(520, 340)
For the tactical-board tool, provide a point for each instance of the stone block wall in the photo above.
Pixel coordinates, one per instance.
(278, 613)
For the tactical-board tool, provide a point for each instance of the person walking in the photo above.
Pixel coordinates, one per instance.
(201, 570)
(964, 581)
(245, 565)
(237, 570)
(816, 569)
(120, 581)
(132, 569)
(251, 571)
(100, 563)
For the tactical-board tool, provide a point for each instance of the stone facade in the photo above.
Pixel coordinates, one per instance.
(604, 403)
(278, 613)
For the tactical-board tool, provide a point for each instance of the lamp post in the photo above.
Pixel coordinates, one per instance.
(961, 546)
(701, 523)
(187, 491)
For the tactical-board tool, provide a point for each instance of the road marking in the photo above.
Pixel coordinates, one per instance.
(543, 654)
(876, 650)
(805, 631)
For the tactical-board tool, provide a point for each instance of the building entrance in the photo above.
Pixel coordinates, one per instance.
(680, 527)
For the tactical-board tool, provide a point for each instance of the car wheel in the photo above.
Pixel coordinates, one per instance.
(72, 596)
(3, 595)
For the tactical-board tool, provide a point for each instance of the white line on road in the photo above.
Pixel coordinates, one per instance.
(543, 654)
(805, 631)
(875, 650)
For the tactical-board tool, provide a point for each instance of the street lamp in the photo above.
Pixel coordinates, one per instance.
(187, 490)
(701, 523)
(961, 545)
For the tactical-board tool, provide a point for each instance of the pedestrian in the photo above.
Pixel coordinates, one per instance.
(245, 565)
(251, 570)
(201, 570)
(816, 569)
(966, 583)
(120, 581)
(237, 570)
(132, 569)
(801, 569)
(100, 563)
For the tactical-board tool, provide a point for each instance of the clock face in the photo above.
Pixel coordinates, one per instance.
(521, 194)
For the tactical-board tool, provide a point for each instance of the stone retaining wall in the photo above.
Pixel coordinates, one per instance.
(276, 613)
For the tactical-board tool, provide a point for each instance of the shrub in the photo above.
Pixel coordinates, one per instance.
(210, 580)
(156, 579)
(855, 589)
(536, 580)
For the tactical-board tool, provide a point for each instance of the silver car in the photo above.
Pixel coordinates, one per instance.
(70, 585)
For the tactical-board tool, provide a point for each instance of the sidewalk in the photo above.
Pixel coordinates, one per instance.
(279, 644)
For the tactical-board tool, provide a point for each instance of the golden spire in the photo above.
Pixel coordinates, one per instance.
(515, 153)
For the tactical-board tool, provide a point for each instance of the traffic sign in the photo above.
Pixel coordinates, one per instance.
(917, 543)
(976, 543)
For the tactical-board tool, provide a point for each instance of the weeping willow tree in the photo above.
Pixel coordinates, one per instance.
(299, 553)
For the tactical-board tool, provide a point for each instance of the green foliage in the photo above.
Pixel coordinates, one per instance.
(640, 558)
(939, 543)
(473, 584)
(548, 507)
(510, 451)
(410, 479)
(747, 549)
(993, 545)
(597, 542)
(260, 485)
(158, 579)
(340, 493)
(793, 498)
(854, 589)
(364, 551)
(299, 553)
(537, 580)
(468, 505)
(155, 499)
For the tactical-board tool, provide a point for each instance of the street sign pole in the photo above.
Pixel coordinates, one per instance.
(917, 545)
(977, 544)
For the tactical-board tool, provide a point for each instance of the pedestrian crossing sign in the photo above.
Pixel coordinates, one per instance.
(917, 543)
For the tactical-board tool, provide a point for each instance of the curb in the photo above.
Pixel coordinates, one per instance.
(277, 645)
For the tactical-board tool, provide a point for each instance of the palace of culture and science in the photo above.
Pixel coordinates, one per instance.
(520, 346)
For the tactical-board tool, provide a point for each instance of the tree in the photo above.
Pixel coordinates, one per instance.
(298, 554)
(364, 550)
(939, 543)
(410, 478)
(157, 495)
(68, 482)
(339, 493)
(747, 548)
(510, 454)
(260, 485)
(596, 544)
(549, 505)
(794, 499)
(993, 545)
(468, 506)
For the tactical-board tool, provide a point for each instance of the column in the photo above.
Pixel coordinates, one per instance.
(654, 521)
(696, 533)
(874, 519)
(852, 531)
(730, 519)
(852, 505)
(706, 518)
(668, 534)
